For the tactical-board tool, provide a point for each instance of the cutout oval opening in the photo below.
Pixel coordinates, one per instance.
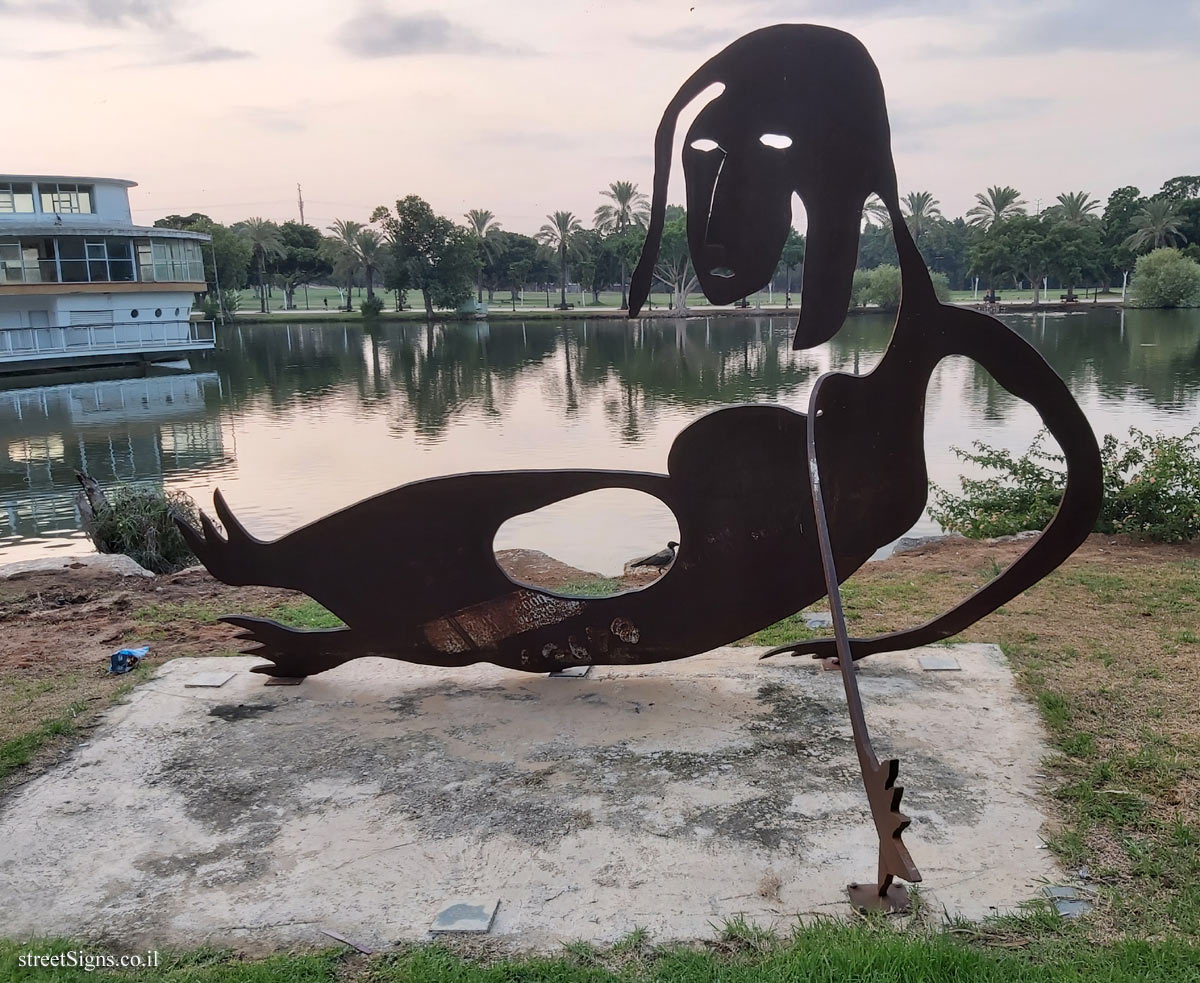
(704, 144)
(776, 140)
(583, 546)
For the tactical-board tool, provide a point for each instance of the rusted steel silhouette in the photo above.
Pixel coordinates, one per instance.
(775, 508)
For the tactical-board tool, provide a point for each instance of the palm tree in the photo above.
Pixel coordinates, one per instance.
(994, 205)
(1074, 207)
(367, 247)
(482, 224)
(920, 208)
(625, 208)
(1156, 225)
(877, 211)
(263, 237)
(559, 233)
(345, 238)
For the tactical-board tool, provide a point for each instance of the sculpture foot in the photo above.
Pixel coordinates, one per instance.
(294, 652)
(892, 900)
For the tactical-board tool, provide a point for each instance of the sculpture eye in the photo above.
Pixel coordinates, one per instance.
(705, 144)
(776, 140)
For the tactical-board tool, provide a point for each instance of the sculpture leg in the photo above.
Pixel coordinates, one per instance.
(295, 652)
(879, 778)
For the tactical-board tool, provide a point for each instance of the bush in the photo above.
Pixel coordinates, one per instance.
(883, 287)
(139, 523)
(859, 288)
(231, 303)
(371, 307)
(1151, 489)
(210, 307)
(941, 285)
(1166, 278)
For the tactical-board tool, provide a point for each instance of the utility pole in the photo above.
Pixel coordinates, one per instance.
(300, 202)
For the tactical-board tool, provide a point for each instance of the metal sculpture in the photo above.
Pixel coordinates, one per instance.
(775, 508)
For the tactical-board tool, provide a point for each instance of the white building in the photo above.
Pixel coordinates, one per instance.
(81, 284)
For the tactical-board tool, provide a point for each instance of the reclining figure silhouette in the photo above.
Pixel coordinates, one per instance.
(775, 508)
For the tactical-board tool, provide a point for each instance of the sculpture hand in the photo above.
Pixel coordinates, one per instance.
(292, 651)
(821, 648)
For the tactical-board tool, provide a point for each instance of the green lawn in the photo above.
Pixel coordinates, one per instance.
(317, 295)
(822, 952)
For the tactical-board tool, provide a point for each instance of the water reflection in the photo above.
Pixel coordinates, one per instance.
(118, 430)
(295, 421)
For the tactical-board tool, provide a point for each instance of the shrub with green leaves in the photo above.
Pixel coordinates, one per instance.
(371, 307)
(1166, 278)
(139, 522)
(881, 286)
(1151, 489)
(941, 285)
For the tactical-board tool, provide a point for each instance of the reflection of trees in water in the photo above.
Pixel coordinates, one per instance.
(441, 370)
(282, 363)
(1153, 353)
(713, 362)
(425, 376)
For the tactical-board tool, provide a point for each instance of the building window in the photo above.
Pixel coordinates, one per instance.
(72, 261)
(34, 261)
(11, 268)
(15, 198)
(66, 199)
(120, 259)
(177, 260)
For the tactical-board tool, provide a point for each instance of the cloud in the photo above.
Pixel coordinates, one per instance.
(690, 40)
(215, 52)
(1021, 27)
(379, 34)
(110, 13)
(955, 114)
(58, 54)
(268, 118)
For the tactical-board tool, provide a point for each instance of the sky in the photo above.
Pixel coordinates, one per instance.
(529, 106)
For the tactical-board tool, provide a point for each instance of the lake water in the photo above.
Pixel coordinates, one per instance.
(295, 422)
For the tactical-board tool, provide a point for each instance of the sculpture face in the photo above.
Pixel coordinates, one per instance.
(801, 111)
(739, 192)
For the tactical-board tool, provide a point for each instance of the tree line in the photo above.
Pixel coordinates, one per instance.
(409, 248)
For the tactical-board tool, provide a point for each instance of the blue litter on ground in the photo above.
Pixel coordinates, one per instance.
(127, 659)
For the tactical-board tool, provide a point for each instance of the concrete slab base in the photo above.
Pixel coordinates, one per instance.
(668, 797)
(467, 916)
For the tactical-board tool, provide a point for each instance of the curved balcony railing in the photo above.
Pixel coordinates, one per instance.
(124, 337)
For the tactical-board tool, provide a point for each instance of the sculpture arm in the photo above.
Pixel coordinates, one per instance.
(1019, 368)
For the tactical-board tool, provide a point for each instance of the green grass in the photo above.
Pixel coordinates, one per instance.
(19, 751)
(305, 613)
(597, 587)
(823, 952)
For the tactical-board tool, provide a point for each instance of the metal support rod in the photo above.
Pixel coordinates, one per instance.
(880, 780)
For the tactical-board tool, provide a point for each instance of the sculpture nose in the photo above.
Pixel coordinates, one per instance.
(830, 256)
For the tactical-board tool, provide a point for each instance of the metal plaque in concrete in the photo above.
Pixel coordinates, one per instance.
(939, 663)
(209, 680)
(284, 680)
(474, 915)
(571, 672)
(818, 619)
(1068, 901)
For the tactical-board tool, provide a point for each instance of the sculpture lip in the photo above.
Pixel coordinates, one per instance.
(724, 272)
